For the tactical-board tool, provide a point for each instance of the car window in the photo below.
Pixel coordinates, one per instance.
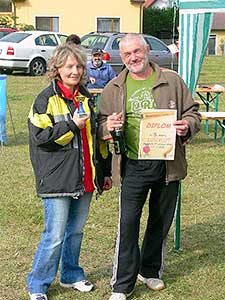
(156, 45)
(93, 41)
(46, 40)
(115, 44)
(3, 34)
(15, 37)
(62, 38)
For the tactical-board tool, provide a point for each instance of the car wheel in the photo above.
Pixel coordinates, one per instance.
(37, 67)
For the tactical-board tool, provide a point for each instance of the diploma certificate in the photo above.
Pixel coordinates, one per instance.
(157, 134)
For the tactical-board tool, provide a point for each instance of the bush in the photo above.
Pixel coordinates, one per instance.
(23, 26)
(8, 21)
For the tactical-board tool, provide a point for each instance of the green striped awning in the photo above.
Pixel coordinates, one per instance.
(202, 5)
(194, 34)
(195, 24)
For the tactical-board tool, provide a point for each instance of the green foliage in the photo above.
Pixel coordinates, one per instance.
(159, 22)
(22, 26)
(8, 21)
(195, 273)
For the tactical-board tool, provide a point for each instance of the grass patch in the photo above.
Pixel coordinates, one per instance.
(196, 272)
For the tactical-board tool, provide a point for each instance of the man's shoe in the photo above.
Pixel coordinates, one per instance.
(120, 296)
(38, 296)
(82, 286)
(154, 284)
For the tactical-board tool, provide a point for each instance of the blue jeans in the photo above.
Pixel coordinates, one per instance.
(61, 239)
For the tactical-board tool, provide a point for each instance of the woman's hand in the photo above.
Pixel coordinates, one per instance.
(107, 183)
(80, 121)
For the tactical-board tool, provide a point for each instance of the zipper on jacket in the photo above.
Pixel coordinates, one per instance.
(94, 128)
(79, 147)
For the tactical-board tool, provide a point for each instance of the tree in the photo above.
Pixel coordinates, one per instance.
(159, 22)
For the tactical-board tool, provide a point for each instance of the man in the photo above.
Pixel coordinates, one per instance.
(98, 72)
(73, 38)
(142, 84)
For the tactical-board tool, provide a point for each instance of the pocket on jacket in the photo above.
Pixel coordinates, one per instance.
(61, 173)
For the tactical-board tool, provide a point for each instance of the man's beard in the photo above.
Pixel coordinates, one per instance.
(144, 66)
(97, 63)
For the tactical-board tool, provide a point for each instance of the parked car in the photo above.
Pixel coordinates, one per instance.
(28, 51)
(4, 31)
(109, 43)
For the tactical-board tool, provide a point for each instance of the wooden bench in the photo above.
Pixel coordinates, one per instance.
(219, 117)
(96, 93)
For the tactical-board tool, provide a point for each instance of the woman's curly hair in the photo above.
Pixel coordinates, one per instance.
(60, 56)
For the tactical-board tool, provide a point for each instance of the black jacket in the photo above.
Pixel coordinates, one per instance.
(56, 146)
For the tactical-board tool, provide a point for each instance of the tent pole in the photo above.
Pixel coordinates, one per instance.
(10, 114)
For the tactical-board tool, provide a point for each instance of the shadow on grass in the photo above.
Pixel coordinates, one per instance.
(210, 141)
(203, 244)
(19, 73)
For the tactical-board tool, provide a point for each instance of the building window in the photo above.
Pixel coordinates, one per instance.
(108, 24)
(5, 6)
(47, 23)
(211, 48)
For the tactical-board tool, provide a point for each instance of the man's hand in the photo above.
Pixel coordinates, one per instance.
(92, 80)
(182, 127)
(114, 121)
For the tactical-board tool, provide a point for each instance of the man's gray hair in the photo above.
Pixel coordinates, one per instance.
(132, 36)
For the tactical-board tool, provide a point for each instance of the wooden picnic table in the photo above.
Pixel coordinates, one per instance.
(96, 93)
(218, 117)
(209, 95)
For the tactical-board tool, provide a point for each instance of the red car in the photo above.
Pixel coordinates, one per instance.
(4, 31)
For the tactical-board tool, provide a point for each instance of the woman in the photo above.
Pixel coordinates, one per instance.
(68, 167)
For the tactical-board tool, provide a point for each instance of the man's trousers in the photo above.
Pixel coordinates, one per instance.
(140, 177)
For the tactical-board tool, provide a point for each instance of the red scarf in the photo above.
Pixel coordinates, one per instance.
(88, 183)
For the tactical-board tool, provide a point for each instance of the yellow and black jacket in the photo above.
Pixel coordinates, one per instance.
(56, 146)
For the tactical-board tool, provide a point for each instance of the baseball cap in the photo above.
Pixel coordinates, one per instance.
(96, 50)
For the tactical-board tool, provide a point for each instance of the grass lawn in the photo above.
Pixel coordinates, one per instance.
(197, 272)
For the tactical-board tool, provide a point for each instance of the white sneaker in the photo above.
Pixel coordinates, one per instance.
(120, 296)
(38, 296)
(154, 284)
(82, 286)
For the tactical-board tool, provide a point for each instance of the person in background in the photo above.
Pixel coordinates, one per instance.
(143, 85)
(98, 72)
(68, 167)
(73, 38)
